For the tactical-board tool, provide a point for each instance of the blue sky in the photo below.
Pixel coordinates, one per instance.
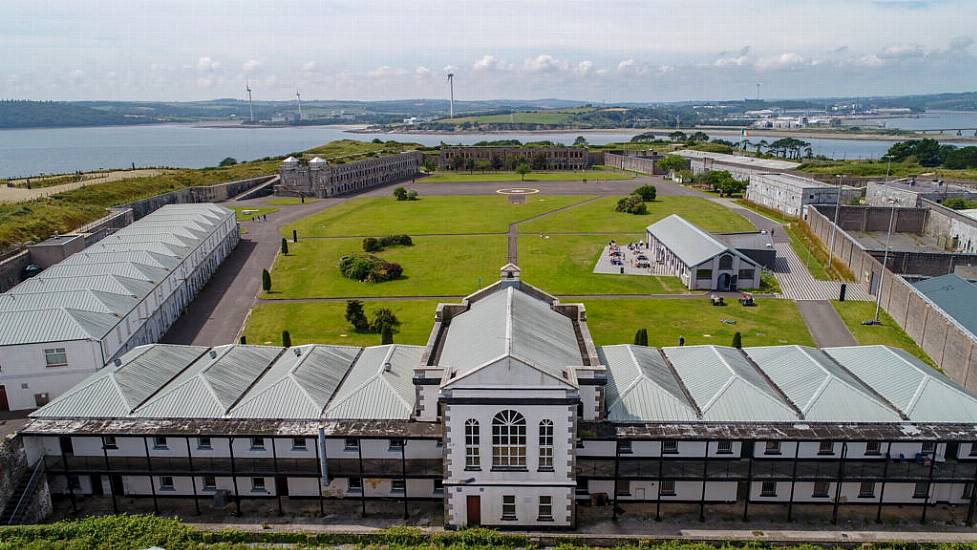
(656, 50)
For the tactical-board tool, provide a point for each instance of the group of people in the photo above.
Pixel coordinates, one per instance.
(619, 256)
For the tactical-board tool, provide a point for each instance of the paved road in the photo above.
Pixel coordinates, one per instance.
(825, 325)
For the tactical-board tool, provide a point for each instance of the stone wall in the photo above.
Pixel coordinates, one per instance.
(951, 229)
(644, 165)
(13, 470)
(951, 346)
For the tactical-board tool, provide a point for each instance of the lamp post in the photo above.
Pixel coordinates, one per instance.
(834, 228)
(885, 262)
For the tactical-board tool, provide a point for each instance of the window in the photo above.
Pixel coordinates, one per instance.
(546, 445)
(667, 488)
(210, 483)
(472, 459)
(624, 447)
(772, 448)
(725, 262)
(74, 483)
(55, 357)
(669, 447)
(203, 444)
(583, 486)
(509, 441)
(826, 448)
(545, 508)
(929, 447)
(703, 274)
(355, 485)
(108, 442)
(396, 445)
(509, 507)
(298, 443)
(873, 448)
(820, 489)
(968, 490)
(166, 483)
(352, 444)
(921, 489)
(768, 489)
(866, 489)
(159, 442)
(257, 443)
(438, 486)
(257, 485)
(747, 274)
(40, 399)
(622, 487)
(724, 447)
(397, 486)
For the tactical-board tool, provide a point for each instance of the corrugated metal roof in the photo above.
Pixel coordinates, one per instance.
(373, 391)
(758, 163)
(641, 386)
(691, 244)
(823, 390)
(509, 322)
(920, 392)
(954, 295)
(53, 325)
(95, 301)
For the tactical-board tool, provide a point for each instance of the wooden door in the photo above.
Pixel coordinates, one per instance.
(4, 404)
(281, 486)
(474, 506)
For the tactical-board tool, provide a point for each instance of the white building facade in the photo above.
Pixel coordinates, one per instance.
(790, 194)
(320, 178)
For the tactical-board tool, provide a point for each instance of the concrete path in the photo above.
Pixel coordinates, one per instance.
(797, 283)
(825, 325)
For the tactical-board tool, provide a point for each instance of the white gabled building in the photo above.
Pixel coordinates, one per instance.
(511, 417)
(123, 291)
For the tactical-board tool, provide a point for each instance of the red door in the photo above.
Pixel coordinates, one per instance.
(4, 405)
(474, 506)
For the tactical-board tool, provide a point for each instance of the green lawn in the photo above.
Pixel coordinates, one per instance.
(600, 216)
(429, 215)
(288, 201)
(564, 264)
(558, 175)
(325, 323)
(772, 322)
(434, 266)
(888, 333)
(252, 212)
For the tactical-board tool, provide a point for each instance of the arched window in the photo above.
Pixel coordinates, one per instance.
(546, 444)
(726, 262)
(509, 441)
(472, 459)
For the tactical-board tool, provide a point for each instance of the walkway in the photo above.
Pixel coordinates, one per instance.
(825, 325)
(797, 282)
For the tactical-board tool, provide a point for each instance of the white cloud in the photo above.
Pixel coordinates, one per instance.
(386, 71)
(422, 72)
(490, 63)
(544, 63)
(870, 60)
(77, 77)
(786, 60)
(207, 65)
(583, 68)
(250, 66)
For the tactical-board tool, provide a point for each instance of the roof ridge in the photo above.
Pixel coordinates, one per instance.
(349, 368)
(872, 391)
(681, 383)
(170, 379)
(790, 402)
(263, 372)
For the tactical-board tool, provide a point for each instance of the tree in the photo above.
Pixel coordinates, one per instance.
(522, 169)
(580, 141)
(927, 152)
(372, 244)
(284, 246)
(641, 337)
(496, 162)
(762, 144)
(538, 162)
(265, 280)
(412, 194)
(699, 136)
(632, 204)
(647, 136)
(386, 335)
(483, 165)
(244, 340)
(229, 161)
(737, 340)
(672, 163)
(400, 194)
(286, 339)
(430, 164)
(677, 136)
(646, 192)
(964, 157)
(384, 317)
(470, 165)
(457, 163)
(356, 316)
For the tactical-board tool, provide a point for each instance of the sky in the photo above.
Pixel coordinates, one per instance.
(653, 50)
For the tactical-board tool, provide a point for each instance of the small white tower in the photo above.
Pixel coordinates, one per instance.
(291, 163)
(316, 163)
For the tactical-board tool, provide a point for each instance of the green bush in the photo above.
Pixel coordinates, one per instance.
(400, 194)
(646, 192)
(369, 268)
(373, 244)
(632, 204)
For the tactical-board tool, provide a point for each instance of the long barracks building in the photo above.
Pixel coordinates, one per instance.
(511, 416)
(550, 158)
(320, 178)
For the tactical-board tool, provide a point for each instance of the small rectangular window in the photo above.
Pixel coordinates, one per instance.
(826, 448)
(203, 444)
(703, 274)
(352, 444)
(866, 489)
(355, 485)
(772, 448)
(257, 443)
(747, 274)
(509, 507)
(258, 484)
(768, 489)
(921, 489)
(724, 447)
(108, 442)
(166, 483)
(210, 483)
(624, 447)
(159, 442)
(667, 487)
(929, 447)
(968, 490)
(545, 508)
(438, 486)
(74, 483)
(396, 444)
(873, 448)
(820, 489)
(622, 487)
(397, 486)
(55, 357)
(669, 447)
(299, 443)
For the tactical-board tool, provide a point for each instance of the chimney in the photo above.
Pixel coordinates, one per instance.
(510, 275)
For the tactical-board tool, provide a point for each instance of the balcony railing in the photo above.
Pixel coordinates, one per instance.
(244, 466)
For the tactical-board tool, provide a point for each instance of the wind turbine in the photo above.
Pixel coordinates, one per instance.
(298, 97)
(247, 86)
(758, 90)
(451, 88)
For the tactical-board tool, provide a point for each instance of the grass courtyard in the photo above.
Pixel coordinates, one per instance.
(252, 212)
(507, 176)
(772, 322)
(889, 333)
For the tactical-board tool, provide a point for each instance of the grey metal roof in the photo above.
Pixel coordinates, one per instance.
(754, 162)
(380, 385)
(116, 272)
(641, 386)
(510, 322)
(798, 183)
(954, 295)
(691, 244)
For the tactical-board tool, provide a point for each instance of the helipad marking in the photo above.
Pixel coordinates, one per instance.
(517, 191)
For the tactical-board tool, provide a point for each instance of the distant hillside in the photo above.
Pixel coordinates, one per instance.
(38, 114)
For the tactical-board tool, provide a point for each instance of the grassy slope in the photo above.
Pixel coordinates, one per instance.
(771, 322)
(599, 216)
(345, 150)
(564, 175)
(325, 323)
(434, 266)
(864, 168)
(889, 333)
(562, 116)
(429, 215)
